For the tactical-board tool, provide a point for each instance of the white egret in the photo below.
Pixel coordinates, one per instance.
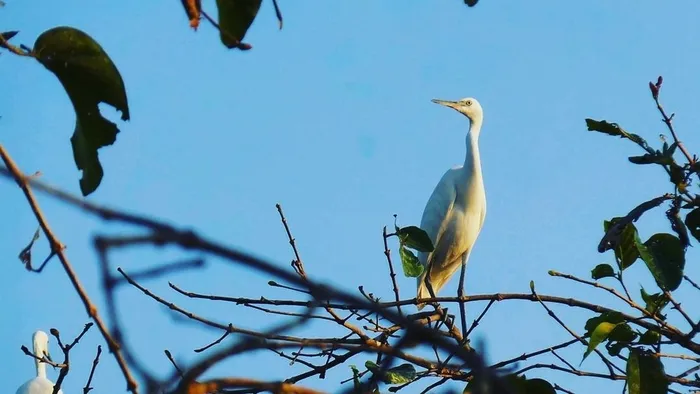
(40, 384)
(455, 212)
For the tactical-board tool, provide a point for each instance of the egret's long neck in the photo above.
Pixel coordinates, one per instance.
(40, 367)
(472, 160)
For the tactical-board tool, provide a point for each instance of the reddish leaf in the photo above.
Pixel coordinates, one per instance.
(193, 8)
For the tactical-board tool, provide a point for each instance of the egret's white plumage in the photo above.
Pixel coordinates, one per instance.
(40, 384)
(455, 212)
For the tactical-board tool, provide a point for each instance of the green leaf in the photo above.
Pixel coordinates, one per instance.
(650, 338)
(614, 348)
(622, 333)
(669, 151)
(401, 374)
(235, 17)
(600, 333)
(614, 129)
(372, 366)
(89, 77)
(518, 385)
(602, 271)
(626, 252)
(523, 385)
(655, 303)
(415, 238)
(645, 374)
(373, 389)
(604, 126)
(692, 220)
(677, 175)
(656, 158)
(355, 378)
(677, 225)
(613, 317)
(539, 386)
(664, 255)
(619, 338)
(412, 267)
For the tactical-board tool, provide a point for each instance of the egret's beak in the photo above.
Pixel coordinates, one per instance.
(451, 104)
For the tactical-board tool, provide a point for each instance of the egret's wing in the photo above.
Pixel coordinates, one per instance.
(434, 222)
(437, 210)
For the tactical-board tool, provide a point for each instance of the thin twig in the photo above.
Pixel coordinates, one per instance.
(172, 361)
(622, 283)
(225, 327)
(695, 285)
(607, 362)
(562, 359)
(668, 120)
(677, 306)
(41, 358)
(526, 356)
(278, 13)
(156, 272)
(678, 356)
(297, 263)
(563, 390)
(14, 49)
(293, 359)
(689, 371)
(478, 319)
(434, 385)
(274, 312)
(614, 292)
(95, 361)
(218, 341)
(392, 274)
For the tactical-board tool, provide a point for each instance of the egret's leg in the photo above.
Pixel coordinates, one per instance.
(426, 280)
(460, 294)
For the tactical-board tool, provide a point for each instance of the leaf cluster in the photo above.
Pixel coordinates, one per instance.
(664, 255)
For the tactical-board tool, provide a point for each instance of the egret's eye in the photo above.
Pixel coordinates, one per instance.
(468, 102)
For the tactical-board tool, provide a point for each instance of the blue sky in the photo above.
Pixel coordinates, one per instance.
(331, 117)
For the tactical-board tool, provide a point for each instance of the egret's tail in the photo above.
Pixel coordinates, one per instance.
(436, 281)
(422, 292)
